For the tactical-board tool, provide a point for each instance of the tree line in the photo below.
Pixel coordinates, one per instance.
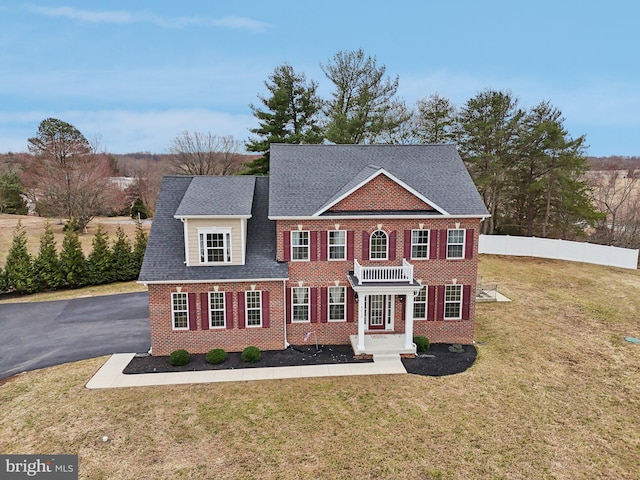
(109, 261)
(527, 168)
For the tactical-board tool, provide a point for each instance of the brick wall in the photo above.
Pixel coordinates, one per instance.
(381, 193)
(164, 339)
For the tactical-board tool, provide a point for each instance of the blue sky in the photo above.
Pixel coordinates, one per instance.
(134, 75)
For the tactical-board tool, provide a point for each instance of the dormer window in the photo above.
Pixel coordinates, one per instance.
(215, 245)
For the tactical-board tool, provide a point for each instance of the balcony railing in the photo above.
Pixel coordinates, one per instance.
(401, 273)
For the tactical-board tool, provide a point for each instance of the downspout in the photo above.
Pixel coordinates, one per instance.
(284, 323)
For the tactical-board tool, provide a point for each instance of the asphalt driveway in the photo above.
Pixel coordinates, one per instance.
(42, 334)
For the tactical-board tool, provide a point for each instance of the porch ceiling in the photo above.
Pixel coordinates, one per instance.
(399, 288)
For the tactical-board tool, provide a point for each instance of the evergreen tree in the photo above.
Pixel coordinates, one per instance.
(11, 200)
(47, 263)
(139, 210)
(435, 120)
(73, 264)
(139, 248)
(123, 267)
(19, 275)
(363, 107)
(100, 261)
(290, 116)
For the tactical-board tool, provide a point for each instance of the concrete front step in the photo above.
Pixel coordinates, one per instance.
(382, 344)
(386, 357)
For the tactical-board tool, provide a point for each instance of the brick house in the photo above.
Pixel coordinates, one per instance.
(339, 244)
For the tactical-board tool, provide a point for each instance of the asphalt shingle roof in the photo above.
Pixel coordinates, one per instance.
(210, 195)
(164, 258)
(305, 178)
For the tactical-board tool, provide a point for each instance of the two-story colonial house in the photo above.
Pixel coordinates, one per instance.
(340, 242)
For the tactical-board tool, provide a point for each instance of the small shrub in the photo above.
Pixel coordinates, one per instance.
(216, 356)
(251, 355)
(179, 358)
(422, 344)
(456, 348)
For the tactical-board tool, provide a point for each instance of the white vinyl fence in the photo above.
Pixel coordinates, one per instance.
(559, 250)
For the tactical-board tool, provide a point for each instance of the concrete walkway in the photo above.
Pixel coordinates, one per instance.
(110, 374)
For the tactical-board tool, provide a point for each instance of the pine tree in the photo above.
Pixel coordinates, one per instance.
(73, 264)
(100, 261)
(139, 248)
(139, 210)
(122, 258)
(47, 263)
(19, 275)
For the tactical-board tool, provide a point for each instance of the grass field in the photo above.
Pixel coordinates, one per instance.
(554, 394)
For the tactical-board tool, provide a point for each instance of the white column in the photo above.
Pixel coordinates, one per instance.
(361, 321)
(408, 321)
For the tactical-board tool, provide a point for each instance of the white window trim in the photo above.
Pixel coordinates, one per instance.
(227, 245)
(426, 303)
(308, 305)
(174, 311)
(464, 241)
(386, 252)
(445, 302)
(344, 246)
(344, 304)
(292, 246)
(224, 311)
(421, 244)
(246, 308)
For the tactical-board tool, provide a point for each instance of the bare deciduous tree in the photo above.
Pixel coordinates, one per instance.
(205, 154)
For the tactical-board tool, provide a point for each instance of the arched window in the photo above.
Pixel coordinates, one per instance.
(378, 250)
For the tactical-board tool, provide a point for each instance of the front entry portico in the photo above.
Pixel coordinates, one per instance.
(376, 299)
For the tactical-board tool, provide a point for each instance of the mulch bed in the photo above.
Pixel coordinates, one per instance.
(439, 362)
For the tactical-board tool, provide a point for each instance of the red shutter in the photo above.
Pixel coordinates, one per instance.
(392, 245)
(350, 245)
(440, 302)
(204, 310)
(287, 308)
(431, 302)
(443, 244)
(313, 246)
(324, 304)
(266, 319)
(241, 302)
(407, 244)
(193, 312)
(365, 246)
(468, 243)
(350, 304)
(403, 307)
(286, 245)
(433, 244)
(228, 306)
(313, 304)
(466, 301)
(324, 240)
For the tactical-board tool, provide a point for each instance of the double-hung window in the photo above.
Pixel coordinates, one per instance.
(300, 304)
(419, 243)
(420, 304)
(216, 310)
(299, 245)
(453, 302)
(253, 304)
(455, 243)
(337, 308)
(179, 311)
(378, 246)
(215, 245)
(337, 245)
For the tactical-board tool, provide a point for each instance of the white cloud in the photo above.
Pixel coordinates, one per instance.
(123, 131)
(125, 17)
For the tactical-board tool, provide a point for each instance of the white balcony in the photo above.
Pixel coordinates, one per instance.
(383, 274)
